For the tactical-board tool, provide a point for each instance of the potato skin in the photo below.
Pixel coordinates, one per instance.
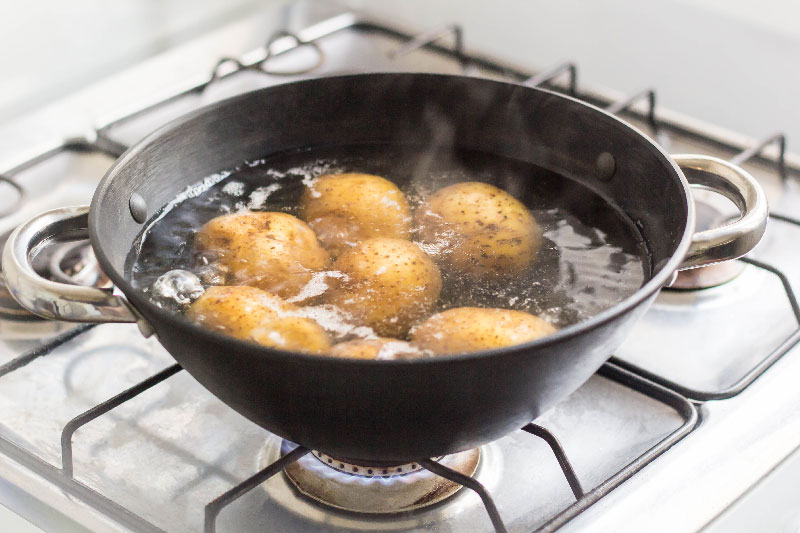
(251, 314)
(345, 209)
(389, 285)
(377, 348)
(272, 251)
(471, 329)
(478, 230)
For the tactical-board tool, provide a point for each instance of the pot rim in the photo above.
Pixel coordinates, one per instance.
(167, 318)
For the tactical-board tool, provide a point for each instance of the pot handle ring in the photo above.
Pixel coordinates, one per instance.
(51, 299)
(740, 236)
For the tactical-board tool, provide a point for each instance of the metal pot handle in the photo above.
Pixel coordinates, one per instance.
(740, 236)
(50, 299)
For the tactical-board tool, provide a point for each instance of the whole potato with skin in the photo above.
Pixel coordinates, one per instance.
(272, 251)
(471, 329)
(388, 285)
(345, 209)
(478, 230)
(252, 314)
(377, 348)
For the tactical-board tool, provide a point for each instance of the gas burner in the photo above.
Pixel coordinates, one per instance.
(375, 488)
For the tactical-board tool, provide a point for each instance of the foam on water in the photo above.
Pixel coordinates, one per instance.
(591, 256)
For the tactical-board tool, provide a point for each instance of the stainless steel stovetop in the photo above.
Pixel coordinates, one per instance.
(101, 426)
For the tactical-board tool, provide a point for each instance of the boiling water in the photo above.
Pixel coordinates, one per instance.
(590, 259)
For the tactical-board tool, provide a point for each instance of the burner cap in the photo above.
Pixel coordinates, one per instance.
(376, 489)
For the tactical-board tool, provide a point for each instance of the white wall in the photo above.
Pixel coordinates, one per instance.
(732, 62)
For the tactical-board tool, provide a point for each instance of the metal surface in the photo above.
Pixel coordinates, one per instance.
(472, 484)
(376, 489)
(57, 301)
(11, 199)
(213, 509)
(737, 238)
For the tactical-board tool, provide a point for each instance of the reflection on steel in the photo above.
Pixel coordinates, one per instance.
(102, 408)
(625, 104)
(550, 74)
(707, 277)
(213, 509)
(472, 484)
(59, 301)
(755, 372)
(778, 139)
(739, 237)
(283, 35)
(429, 37)
(376, 488)
(25, 358)
(17, 190)
(561, 456)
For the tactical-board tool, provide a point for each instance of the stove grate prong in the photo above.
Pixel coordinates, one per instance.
(470, 483)
(561, 457)
(213, 509)
(87, 416)
(626, 103)
(219, 71)
(756, 371)
(18, 191)
(429, 37)
(25, 358)
(778, 139)
(551, 73)
(272, 50)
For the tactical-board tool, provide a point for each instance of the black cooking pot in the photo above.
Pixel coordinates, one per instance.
(394, 410)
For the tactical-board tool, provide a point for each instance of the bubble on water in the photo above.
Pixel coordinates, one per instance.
(178, 286)
(233, 188)
(210, 274)
(258, 198)
(579, 270)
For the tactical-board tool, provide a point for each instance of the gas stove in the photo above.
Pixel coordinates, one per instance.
(103, 431)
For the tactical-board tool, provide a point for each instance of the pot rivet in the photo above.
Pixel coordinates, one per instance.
(606, 166)
(138, 208)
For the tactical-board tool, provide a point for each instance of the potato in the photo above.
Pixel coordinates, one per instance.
(252, 314)
(471, 329)
(272, 251)
(388, 285)
(345, 209)
(478, 230)
(376, 348)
